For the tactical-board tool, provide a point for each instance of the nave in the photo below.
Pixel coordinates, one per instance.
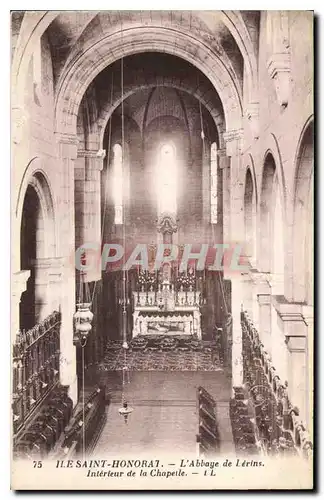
(162, 220)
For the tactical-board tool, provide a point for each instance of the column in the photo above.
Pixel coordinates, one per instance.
(67, 146)
(206, 187)
(264, 301)
(18, 286)
(248, 298)
(234, 145)
(91, 223)
(294, 332)
(297, 372)
(224, 165)
(237, 359)
(261, 307)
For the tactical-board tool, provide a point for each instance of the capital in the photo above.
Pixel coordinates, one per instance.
(94, 158)
(19, 283)
(234, 142)
(68, 145)
(279, 72)
(296, 343)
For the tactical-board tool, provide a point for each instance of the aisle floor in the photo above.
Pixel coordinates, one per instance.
(164, 416)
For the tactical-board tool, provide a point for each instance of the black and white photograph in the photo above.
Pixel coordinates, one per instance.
(162, 249)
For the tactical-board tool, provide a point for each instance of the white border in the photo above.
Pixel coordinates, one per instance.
(317, 6)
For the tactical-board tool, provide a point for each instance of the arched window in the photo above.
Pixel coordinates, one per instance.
(213, 183)
(166, 177)
(117, 183)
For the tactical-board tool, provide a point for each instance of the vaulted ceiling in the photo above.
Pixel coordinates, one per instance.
(71, 33)
(86, 48)
(154, 84)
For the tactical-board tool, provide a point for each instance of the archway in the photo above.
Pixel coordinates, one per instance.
(32, 247)
(250, 217)
(82, 71)
(304, 220)
(266, 213)
(37, 247)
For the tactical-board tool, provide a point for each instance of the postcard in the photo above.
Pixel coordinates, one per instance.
(162, 250)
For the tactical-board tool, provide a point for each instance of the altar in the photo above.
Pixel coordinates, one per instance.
(167, 312)
(167, 301)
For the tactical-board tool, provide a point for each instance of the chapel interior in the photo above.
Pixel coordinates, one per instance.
(190, 131)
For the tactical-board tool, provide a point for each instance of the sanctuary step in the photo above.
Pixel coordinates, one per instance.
(162, 353)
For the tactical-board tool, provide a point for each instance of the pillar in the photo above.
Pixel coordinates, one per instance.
(294, 331)
(206, 188)
(224, 165)
(90, 192)
(264, 302)
(248, 297)
(233, 196)
(297, 372)
(234, 145)
(67, 147)
(237, 359)
(261, 306)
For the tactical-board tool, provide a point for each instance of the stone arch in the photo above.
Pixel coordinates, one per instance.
(81, 71)
(108, 110)
(271, 238)
(34, 24)
(37, 246)
(303, 222)
(36, 177)
(250, 204)
(235, 23)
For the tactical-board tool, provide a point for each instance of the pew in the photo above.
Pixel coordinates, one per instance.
(208, 441)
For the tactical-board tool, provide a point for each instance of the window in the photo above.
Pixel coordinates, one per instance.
(166, 177)
(213, 183)
(117, 183)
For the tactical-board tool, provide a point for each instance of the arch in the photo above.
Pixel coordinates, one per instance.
(82, 70)
(235, 23)
(176, 83)
(273, 149)
(250, 216)
(37, 243)
(35, 176)
(303, 221)
(32, 248)
(34, 24)
(249, 165)
(271, 237)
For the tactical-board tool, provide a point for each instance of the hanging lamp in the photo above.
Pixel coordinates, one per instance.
(125, 410)
(83, 316)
